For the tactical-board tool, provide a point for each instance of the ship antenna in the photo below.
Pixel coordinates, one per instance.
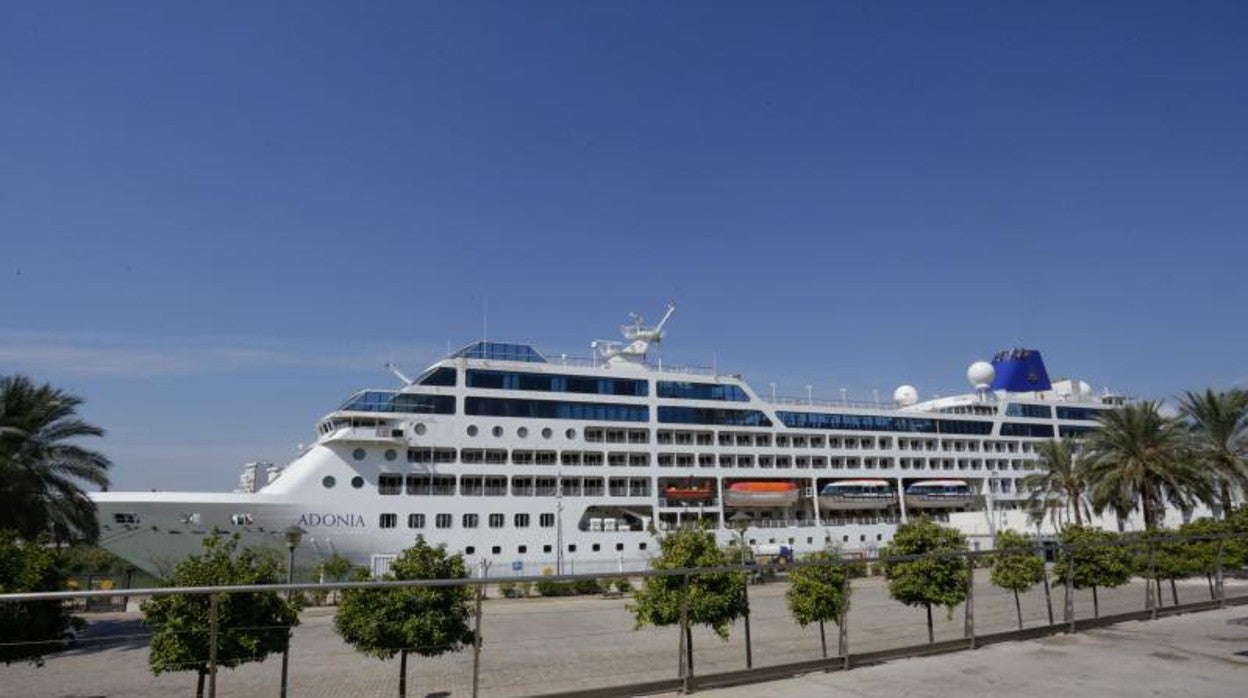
(399, 374)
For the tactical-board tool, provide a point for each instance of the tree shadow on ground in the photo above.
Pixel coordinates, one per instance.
(110, 634)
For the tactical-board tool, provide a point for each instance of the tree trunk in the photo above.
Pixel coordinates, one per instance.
(1018, 608)
(1159, 597)
(1209, 578)
(402, 673)
(1078, 515)
(1225, 493)
(931, 636)
(1174, 592)
(199, 685)
(823, 640)
(1096, 603)
(689, 649)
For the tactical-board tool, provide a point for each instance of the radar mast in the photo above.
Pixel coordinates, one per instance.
(639, 337)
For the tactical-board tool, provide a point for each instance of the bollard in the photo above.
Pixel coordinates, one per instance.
(476, 644)
(968, 630)
(212, 646)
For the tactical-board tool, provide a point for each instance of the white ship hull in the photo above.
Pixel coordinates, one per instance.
(524, 464)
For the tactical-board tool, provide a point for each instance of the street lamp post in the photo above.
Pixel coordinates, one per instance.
(293, 535)
(740, 523)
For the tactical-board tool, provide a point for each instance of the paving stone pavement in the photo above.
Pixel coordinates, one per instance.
(541, 645)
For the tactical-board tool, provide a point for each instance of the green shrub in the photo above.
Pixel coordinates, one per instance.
(623, 586)
(587, 586)
(554, 587)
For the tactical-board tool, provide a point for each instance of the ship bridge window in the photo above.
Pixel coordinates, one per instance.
(125, 518)
(1073, 431)
(390, 401)
(1016, 409)
(554, 409)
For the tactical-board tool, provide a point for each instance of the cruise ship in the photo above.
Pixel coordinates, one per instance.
(525, 462)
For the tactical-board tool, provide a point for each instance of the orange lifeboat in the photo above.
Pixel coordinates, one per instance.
(693, 492)
(761, 494)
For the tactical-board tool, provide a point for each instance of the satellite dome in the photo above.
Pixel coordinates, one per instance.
(905, 395)
(980, 374)
(1085, 388)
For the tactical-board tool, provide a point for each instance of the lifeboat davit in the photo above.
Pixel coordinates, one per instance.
(851, 495)
(760, 494)
(939, 494)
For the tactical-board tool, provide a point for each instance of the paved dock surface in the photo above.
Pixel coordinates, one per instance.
(1198, 654)
(540, 645)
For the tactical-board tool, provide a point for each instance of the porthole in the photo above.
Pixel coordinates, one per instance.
(358, 454)
(571, 433)
(497, 431)
(470, 550)
(472, 429)
(420, 428)
(546, 433)
(522, 432)
(328, 481)
(391, 454)
(357, 482)
(498, 549)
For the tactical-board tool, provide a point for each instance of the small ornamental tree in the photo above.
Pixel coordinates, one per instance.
(1172, 560)
(715, 600)
(819, 593)
(45, 625)
(930, 581)
(429, 621)
(1094, 562)
(249, 626)
(1016, 566)
(1203, 554)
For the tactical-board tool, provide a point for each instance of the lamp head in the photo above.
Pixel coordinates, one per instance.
(293, 535)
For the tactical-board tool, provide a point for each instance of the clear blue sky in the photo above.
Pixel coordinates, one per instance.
(218, 219)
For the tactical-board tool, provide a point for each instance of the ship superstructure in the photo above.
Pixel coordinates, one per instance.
(524, 462)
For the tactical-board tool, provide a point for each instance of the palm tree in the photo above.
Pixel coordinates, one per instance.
(1139, 459)
(1058, 479)
(42, 472)
(1219, 424)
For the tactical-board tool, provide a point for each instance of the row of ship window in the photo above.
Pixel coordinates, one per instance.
(492, 456)
(729, 438)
